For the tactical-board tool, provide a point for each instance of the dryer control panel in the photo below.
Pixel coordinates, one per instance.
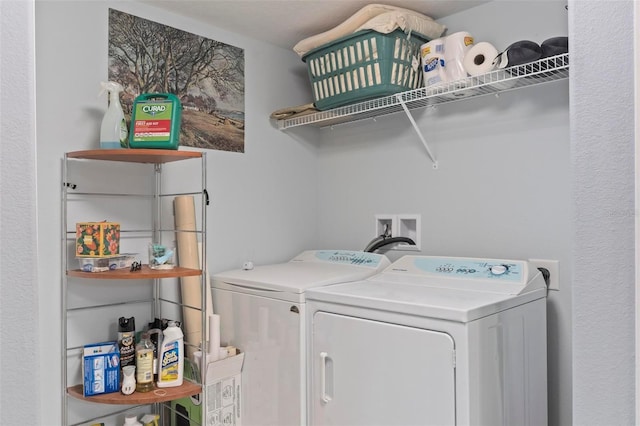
(343, 257)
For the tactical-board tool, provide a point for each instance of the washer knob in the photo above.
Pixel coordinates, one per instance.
(499, 269)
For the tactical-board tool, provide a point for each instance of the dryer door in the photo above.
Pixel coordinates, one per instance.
(367, 372)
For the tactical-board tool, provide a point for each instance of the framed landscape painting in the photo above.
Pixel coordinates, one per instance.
(206, 75)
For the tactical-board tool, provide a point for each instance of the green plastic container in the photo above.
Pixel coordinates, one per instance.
(155, 121)
(364, 65)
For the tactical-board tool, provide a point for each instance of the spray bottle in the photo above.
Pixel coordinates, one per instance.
(113, 131)
(127, 341)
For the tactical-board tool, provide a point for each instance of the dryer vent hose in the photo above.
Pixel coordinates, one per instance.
(382, 241)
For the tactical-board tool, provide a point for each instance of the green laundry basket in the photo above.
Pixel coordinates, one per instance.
(364, 65)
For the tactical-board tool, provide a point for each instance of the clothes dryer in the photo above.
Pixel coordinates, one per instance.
(262, 312)
(430, 341)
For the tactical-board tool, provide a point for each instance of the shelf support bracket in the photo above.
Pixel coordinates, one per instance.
(417, 129)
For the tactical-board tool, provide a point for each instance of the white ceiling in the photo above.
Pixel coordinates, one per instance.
(286, 22)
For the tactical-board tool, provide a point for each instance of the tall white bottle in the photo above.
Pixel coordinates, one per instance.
(131, 421)
(113, 130)
(171, 357)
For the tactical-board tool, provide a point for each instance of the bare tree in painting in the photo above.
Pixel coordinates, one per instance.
(146, 57)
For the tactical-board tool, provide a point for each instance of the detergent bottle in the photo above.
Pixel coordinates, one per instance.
(113, 130)
(171, 357)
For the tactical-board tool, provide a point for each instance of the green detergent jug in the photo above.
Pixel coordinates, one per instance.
(155, 121)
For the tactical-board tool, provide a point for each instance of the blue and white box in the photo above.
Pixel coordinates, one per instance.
(101, 363)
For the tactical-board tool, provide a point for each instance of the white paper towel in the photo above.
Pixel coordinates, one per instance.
(456, 46)
(432, 54)
(214, 337)
(479, 59)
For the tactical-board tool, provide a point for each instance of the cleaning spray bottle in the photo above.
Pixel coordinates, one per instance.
(171, 357)
(113, 131)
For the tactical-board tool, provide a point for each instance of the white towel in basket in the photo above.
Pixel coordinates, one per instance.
(378, 17)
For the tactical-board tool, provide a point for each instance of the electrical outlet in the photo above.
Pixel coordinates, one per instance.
(553, 268)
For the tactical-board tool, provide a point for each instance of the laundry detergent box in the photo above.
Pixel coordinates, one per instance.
(101, 365)
(97, 239)
(187, 411)
(155, 121)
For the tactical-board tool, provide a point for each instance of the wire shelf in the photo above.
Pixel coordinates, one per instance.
(545, 70)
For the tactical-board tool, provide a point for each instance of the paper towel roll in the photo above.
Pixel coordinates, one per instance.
(432, 54)
(480, 58)
(456, 46)
(214, 337)
(207, 280)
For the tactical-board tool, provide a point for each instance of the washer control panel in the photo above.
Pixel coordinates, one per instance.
(463, 268)
(464, 273)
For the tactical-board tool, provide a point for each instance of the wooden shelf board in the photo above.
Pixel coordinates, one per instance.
(157, 395)
(153, 156)
(144, 273)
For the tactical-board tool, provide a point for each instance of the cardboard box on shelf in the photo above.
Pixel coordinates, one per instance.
(97, 239)
(101, 364)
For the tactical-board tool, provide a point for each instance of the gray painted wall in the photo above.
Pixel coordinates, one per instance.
(503, 184)
(600, 174)
(19, 297)
(602, 153)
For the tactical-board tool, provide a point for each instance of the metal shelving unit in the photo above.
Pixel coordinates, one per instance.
(71, 352)
(545, 70)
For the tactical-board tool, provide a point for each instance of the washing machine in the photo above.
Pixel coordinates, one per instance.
(263, 312)
(430, 341)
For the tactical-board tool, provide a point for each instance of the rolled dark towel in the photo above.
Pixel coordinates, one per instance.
(555, 46)
(518, 53)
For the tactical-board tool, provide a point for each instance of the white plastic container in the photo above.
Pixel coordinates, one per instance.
(131, 421)
(171, 357)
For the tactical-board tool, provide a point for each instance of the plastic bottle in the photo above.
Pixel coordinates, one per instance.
(144, 364)
(155, 335)
(171, 357)
(113, 130)
(150, 419)
(131, 421)
(126, 341)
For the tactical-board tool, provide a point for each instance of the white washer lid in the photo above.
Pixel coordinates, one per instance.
(428, 287)
(448, 304)
(311, 268)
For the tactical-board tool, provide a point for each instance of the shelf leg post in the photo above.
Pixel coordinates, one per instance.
(417, 129)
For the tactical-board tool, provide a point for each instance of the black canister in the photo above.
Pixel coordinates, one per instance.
(127, 341)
